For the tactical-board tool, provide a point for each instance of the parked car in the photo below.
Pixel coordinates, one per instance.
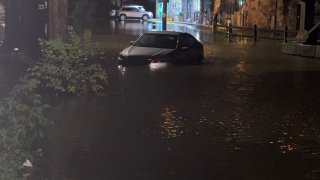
(162, 46)
(133, 12)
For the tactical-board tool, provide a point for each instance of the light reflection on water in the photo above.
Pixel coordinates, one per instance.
(270, 112)
(157, 66)
(172, 123)
(122, 70)
(137, 28)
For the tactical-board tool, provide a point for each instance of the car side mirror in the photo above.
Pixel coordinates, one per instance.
(131, 42)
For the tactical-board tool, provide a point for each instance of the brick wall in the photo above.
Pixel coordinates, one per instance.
(264, 14)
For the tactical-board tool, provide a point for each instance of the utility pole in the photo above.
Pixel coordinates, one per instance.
(215, 11)
(275, 19)
(213, 20)
(201, 11)
(164, 15)
(58, 16)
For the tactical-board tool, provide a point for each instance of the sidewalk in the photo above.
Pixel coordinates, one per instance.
(292, 47)
(204, 26)
(237, 31)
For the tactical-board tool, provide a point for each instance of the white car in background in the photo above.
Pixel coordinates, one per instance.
(133, 12)
(2, 13)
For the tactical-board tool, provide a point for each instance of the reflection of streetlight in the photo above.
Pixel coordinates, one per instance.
(241, 67)
(122, 70)
(172, 124)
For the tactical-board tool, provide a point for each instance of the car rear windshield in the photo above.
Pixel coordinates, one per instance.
(157, 41)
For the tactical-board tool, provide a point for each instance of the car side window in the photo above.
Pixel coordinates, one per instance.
(191, 41)
(183, 41)
(135, 9)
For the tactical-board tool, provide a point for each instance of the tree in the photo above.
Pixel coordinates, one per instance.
(22, 25)
(58, 15)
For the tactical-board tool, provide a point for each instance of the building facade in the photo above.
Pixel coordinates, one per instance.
(184, 10)
(271, 14)
(266, 14)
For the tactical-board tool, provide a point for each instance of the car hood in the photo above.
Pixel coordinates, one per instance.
(144, 51)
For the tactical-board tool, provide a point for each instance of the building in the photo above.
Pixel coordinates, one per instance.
(185, 10)
(266, 14)
(271, 14)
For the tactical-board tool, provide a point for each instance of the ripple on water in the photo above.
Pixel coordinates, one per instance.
(172, 124)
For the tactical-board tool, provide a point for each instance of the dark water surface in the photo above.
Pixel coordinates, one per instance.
(247, 113)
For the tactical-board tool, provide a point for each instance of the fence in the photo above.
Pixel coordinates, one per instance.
(257, 33)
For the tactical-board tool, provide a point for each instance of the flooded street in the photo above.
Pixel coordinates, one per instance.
(247, 113)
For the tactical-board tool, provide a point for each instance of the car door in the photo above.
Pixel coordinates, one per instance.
(125, 11)
(130, 12)
(136, 13)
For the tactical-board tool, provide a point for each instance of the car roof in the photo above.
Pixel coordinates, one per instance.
(165, 32)
(131, 6)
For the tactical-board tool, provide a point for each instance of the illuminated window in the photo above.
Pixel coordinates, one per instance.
(241, 2)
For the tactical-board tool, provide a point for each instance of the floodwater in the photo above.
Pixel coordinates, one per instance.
(247, 113)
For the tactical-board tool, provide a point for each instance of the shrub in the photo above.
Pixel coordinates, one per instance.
(67, 68)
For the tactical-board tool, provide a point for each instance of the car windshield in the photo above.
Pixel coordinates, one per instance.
(157, 41)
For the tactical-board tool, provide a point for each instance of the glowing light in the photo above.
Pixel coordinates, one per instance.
(241, 67)
(122, 70)
(240, 2)
(171, 124)
(156, 66)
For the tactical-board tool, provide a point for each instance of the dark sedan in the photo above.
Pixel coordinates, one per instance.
(162, 46)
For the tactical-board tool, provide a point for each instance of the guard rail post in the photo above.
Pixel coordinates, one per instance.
(285, 34)
(255, 32)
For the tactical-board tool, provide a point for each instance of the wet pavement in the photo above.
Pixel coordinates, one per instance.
(247, 113)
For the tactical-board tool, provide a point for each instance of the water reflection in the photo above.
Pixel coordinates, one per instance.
(134, 27)
(2, 30)
(241, 67)
(122, 70)
(172, 123)
(157, 66)
(207, 113)
(137, 28)
(243, 41)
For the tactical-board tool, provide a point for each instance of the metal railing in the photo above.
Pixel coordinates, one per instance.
(257, 33)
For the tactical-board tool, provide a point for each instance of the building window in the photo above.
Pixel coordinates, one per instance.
(241, 2)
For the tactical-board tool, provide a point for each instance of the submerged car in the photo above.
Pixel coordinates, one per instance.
(162, 46)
